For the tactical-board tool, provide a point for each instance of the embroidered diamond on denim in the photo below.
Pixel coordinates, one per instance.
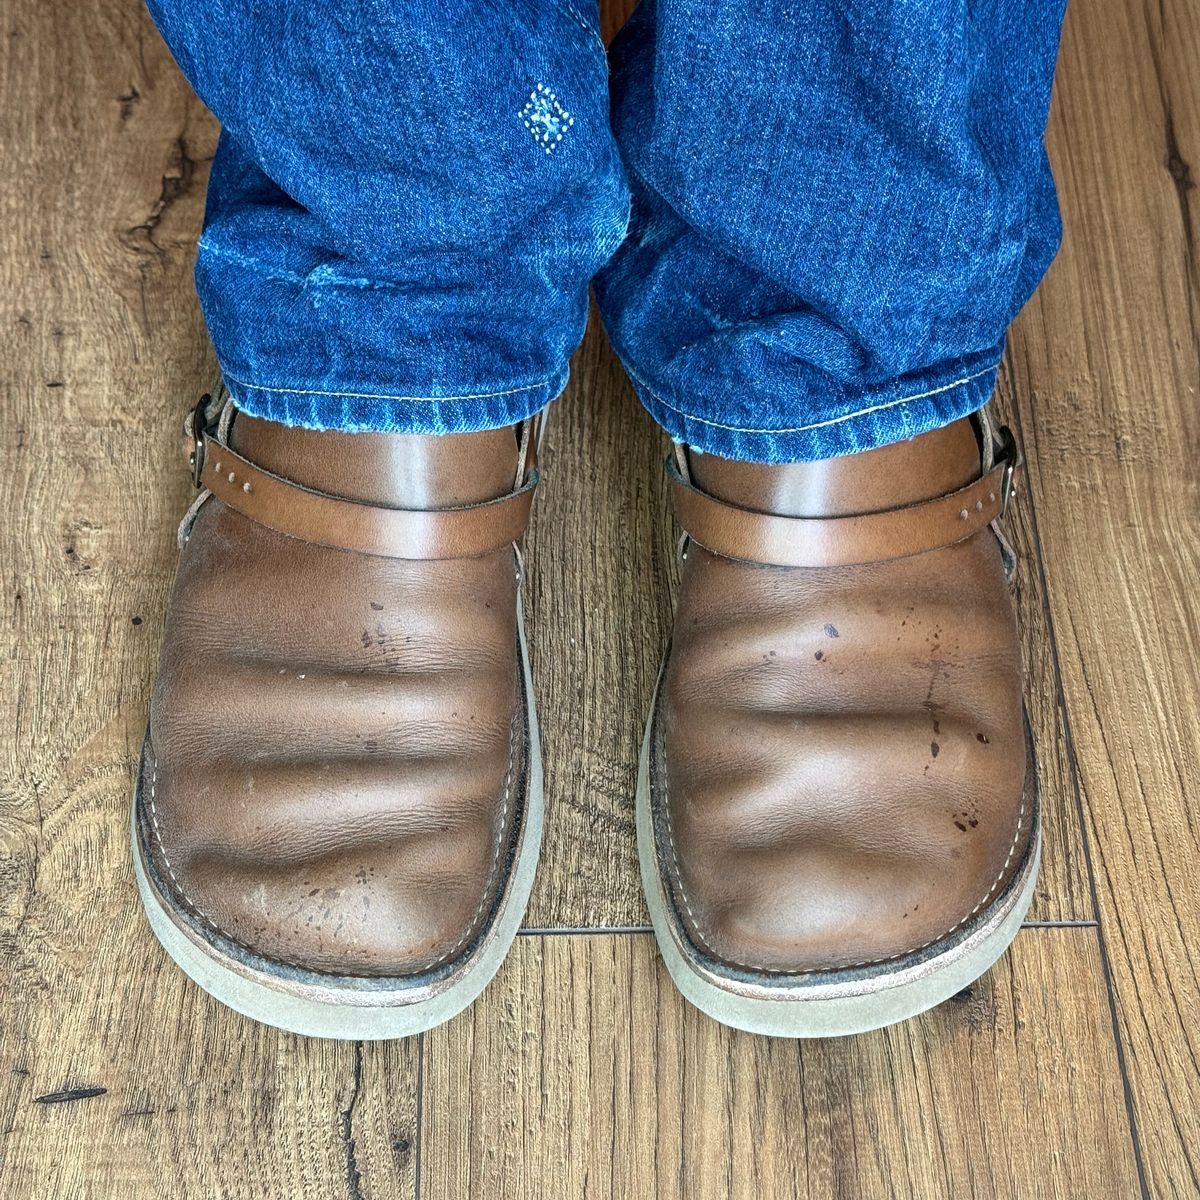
(545, 118)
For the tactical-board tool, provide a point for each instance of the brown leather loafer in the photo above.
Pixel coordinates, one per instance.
(838, 809)
(339, 804)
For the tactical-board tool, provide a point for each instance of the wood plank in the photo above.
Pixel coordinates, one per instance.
(614, 14)
(117, 1076)
(103, 349)
(602, 567)
(1063, 890)
(1106, 365)
(583, 1073)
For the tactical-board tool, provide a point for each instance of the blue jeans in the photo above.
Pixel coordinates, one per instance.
(809, 222)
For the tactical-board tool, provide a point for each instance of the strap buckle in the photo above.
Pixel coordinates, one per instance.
(196, 427)
(1011, 458)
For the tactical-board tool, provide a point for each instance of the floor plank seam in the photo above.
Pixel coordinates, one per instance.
(1060, 924)
(609, 930)
(565, 930)
(419, 1117)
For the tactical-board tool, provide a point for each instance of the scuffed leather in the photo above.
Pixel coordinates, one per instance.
(841, 751)
(337, 740)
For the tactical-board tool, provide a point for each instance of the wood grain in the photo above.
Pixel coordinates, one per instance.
(1106, 368)
(584, 1074)
(1063, 891)
(118, 1078)
(601, 557)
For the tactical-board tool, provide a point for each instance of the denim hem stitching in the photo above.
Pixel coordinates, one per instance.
(258, 387)
(863, 412)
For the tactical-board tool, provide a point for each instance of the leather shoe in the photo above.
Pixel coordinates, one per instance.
(838, 809)
(339, 802)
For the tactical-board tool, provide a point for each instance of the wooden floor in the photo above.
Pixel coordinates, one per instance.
(1071, 1070)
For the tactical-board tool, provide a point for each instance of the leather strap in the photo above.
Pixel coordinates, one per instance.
(312, 516)
(774, 540)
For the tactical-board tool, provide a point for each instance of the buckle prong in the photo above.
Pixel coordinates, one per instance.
(198, 428)
(1010, 455)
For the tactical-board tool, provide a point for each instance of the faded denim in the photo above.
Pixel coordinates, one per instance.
(838, 206)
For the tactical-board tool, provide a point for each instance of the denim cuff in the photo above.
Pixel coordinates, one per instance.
(865, 421)
(381, 412)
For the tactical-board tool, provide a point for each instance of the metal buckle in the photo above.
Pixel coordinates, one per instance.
(198, 426)
(1010, 455)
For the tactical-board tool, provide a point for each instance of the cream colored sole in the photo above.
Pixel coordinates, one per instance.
(826, 1004)
(356, 1008)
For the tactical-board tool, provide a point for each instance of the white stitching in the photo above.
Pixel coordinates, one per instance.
(679, 877)
(199, 912)
(162, 849)
(862, 412)
(596, 40)
(869, 962)
(257, 387)
(508, 782)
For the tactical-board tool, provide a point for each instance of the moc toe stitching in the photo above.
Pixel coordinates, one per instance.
(501, 826)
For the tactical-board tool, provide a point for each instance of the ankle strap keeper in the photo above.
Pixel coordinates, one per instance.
(311, 516)
(773, 540)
